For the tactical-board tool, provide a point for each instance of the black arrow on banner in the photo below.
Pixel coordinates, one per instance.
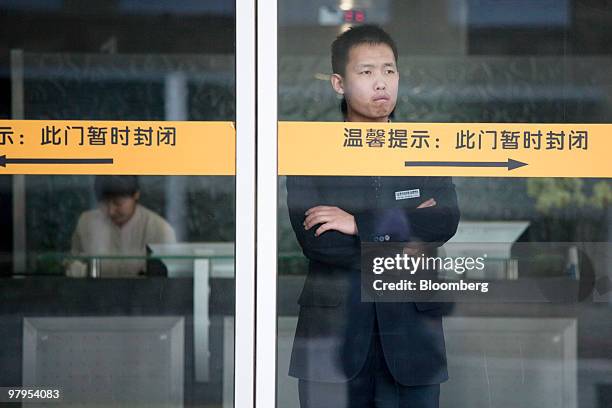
(510, 164)
(5, 160)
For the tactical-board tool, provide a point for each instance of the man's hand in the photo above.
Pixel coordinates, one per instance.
(330, 218)
(334, 218)
(429, 203)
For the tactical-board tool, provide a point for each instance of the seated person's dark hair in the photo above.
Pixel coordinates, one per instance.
(364, 34)
(108, 187)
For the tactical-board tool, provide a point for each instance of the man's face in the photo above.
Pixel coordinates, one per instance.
(369, 84)
(120, 209)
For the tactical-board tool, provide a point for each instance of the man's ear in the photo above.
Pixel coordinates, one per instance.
(136, 196)
(337, 82)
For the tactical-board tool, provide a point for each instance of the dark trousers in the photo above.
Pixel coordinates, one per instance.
(373, 387)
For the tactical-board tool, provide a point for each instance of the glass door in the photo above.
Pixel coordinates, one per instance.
(442, 204)
(128, 241)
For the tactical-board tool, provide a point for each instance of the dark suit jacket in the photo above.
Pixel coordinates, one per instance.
(334, 326)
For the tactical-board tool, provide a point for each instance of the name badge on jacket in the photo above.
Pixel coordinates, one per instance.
(403, 195)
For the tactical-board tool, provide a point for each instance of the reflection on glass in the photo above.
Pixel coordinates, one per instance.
(120, 226)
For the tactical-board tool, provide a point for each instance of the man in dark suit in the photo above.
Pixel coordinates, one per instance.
(349, 353)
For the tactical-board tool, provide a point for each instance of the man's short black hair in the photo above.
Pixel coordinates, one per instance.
(364, 34)
(109, 187)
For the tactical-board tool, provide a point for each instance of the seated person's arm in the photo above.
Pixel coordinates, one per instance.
(76, 268)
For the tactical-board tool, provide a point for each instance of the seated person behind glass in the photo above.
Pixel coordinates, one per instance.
(119, 229)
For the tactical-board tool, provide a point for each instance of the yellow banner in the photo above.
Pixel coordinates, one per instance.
(117, 147)
(445, 149)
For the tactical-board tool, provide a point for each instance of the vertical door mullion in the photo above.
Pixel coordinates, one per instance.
(267, 87)
(244, 358)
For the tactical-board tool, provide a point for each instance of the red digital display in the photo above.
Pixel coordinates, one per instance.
(354, 16)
